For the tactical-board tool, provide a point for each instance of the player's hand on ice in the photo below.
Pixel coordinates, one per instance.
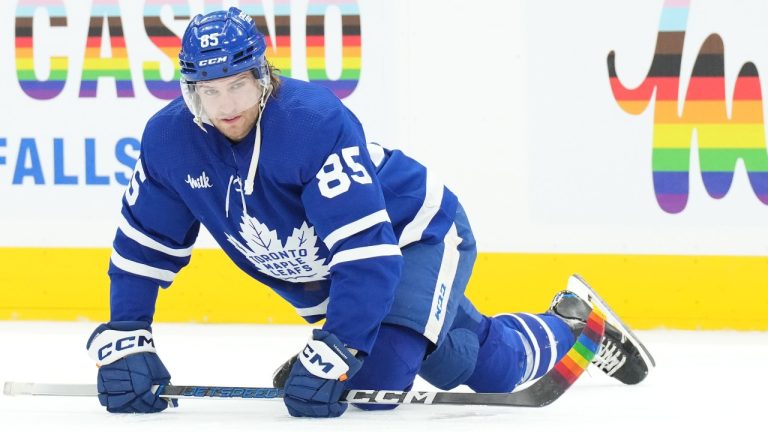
(316, 381)
(128, 367)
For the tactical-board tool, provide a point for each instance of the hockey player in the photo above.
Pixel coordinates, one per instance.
(278, 170)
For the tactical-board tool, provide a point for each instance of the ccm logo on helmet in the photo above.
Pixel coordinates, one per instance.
(212, 61)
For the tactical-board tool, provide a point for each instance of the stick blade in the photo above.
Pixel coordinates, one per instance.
(17, 388)
(570, 367)
(36, 389)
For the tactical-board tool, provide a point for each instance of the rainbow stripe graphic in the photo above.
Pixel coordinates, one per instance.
(576, 360)
(96, 66)
(351, 49)
(25, 64)
(722, 141)
(279, 41)
(167, 42)
(116, 64)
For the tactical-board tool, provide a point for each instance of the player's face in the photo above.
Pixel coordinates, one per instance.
(232, 103)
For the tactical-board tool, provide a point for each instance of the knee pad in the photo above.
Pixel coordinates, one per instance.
(502, 361)
(453, 361)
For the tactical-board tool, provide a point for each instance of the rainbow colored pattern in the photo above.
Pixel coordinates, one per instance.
(25, 63)
(722, 141)
(350, 40)
(94, 65)
(576, 360)
(167, 42)
(117, 64)
(278, 46)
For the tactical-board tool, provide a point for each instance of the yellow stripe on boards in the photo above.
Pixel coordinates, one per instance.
(647, 291)
(74, 286)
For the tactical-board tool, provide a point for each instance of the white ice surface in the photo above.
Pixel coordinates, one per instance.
(705, 381)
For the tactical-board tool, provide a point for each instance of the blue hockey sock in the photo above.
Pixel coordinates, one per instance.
(392, 363)
(519, 347)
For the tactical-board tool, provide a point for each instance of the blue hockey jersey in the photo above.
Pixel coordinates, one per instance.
(323, 226)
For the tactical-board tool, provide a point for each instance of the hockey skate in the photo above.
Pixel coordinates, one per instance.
(621, 354)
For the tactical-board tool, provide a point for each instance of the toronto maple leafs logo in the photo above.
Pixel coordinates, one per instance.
(297, 260)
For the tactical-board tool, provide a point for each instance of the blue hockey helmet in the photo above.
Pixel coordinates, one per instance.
(221, 44)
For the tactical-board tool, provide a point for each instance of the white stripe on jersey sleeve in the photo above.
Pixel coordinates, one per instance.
(364, 253)
(141, 269)
(319, 309)
(377, 153)
(429, 208)
(144, 240)
(355, 227)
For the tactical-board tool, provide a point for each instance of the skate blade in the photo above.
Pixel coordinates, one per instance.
(580, 287)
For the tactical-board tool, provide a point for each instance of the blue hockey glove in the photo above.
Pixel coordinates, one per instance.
(128, 367)
(316, 381)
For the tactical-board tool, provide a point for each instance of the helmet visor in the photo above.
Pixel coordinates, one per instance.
(228, 97)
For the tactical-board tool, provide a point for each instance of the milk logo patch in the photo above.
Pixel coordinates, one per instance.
(200, 182)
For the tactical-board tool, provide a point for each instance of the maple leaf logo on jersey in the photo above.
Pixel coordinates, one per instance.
(295, 261)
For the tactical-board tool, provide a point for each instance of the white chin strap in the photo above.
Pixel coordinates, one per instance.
(251, 179)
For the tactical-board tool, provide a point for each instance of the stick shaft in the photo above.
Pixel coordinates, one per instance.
(521, 399)
(200, 392)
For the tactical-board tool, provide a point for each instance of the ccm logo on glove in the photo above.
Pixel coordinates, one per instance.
(322, 361)
(111, 345)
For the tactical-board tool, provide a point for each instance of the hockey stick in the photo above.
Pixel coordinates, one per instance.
(541, 393)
